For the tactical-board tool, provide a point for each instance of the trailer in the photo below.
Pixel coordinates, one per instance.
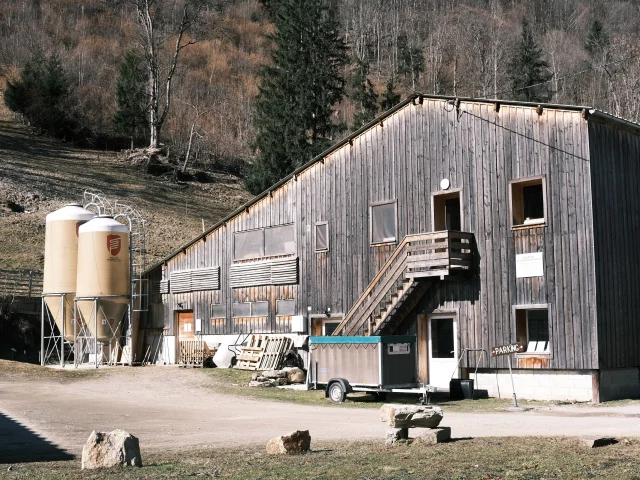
(376, 364)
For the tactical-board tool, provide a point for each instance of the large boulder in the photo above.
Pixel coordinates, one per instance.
(411, 416)
(296, 442)
(104, 450)
(295, 375)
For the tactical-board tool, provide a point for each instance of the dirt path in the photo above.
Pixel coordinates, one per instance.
(167, 409)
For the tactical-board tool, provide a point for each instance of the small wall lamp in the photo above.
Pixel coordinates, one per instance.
(327, 312)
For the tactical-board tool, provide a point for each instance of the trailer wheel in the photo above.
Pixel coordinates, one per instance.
(337, 393)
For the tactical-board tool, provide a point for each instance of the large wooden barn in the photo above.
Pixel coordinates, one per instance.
(469, 223)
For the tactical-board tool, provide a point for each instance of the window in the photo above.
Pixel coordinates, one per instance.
(446, 211)
(218, 311)
(285, 308)
(251, 309)
(532, 329)
(324, 326)
(528, 202)
(329, 326)
(265, 242)
(383, 222)
(280, 240)
(322, 237)
(247, 245)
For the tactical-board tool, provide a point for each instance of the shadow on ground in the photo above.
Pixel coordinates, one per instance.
(19, 444)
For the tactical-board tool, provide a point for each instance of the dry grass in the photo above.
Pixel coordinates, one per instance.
(42, 174)
(234, 382)
(482, 459)
(10, 370)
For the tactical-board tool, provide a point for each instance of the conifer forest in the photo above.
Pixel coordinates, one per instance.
(224, 84)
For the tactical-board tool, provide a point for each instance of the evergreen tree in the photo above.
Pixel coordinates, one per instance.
(528, 71)
(389, 98)
(363, 94)
(40, 94)
(410, 60)
(597, 39)
(131, 115)
(299, 89)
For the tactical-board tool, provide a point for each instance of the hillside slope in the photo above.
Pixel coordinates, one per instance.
(40, 175)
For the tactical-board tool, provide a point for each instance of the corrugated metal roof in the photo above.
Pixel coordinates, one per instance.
(415, 97)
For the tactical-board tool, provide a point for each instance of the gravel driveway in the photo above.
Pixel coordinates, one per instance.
(169, 409)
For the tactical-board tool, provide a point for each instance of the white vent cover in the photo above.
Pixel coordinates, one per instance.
(297, 324)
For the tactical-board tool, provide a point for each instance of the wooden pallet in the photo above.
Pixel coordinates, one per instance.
(194, 352)
(274, 353)
(263, 352)
(251, 353)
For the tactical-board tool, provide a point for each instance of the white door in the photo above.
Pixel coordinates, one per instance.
(443, 350)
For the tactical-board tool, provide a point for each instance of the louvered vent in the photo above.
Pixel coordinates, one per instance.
(163, 286)
(250, 274)
(194, 280)
(205, 279)
(180, 281)
(284, 272)
(276, 272)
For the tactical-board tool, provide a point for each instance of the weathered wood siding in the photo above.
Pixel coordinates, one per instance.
(404, 158)
(615, 177)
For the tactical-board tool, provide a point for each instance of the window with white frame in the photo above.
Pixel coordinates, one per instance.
(532, 329)
(383, 222)
(329, 326)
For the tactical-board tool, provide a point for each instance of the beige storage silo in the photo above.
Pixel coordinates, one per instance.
(103, 271)
(60, 263)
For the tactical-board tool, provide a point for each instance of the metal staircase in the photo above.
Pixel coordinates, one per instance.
(415, 265)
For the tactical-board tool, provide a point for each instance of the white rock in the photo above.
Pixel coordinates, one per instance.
(295, 375)
(104, 450)
(296, 442)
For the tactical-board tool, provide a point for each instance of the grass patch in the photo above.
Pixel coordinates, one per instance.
(11, 370)
(235, 382)
(485, 459)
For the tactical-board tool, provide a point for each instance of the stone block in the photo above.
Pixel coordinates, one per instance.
(104, 450)
(274, 374)
(396, 435)
(262, 384)
(296, 442)
(434, 436)
(411, 416)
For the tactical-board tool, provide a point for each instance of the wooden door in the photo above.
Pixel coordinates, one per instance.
(185, 326)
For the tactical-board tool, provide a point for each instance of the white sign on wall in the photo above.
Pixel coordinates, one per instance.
(529, 265)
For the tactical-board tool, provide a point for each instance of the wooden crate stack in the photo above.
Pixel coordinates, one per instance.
(194, 352)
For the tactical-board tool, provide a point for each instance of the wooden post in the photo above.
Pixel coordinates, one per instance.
(513, 387)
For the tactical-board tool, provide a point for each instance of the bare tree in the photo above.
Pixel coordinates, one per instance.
(152, 39)
(198, 113)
